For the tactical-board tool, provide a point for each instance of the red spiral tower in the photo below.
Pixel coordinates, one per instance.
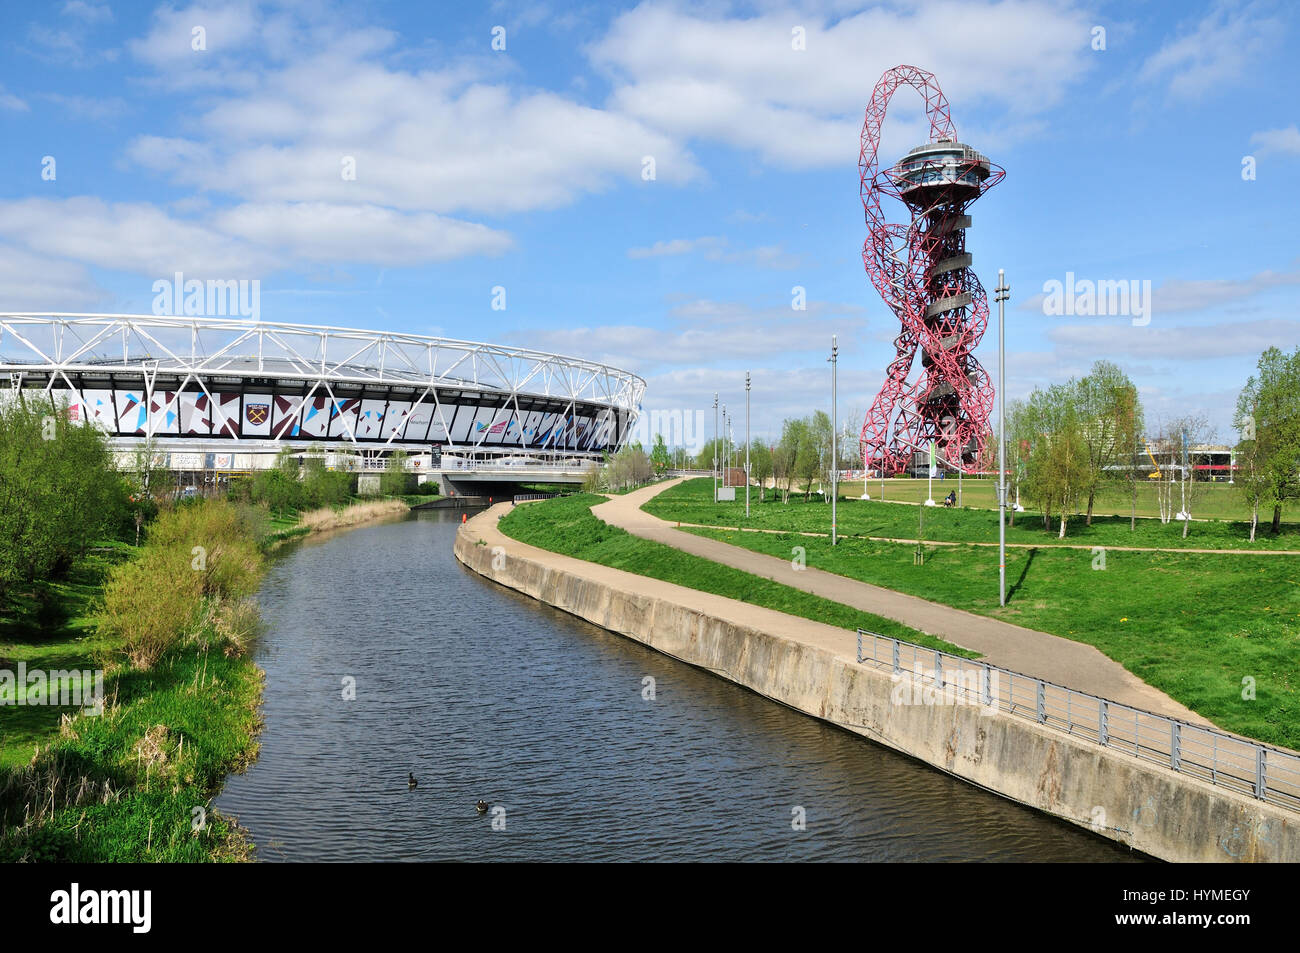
(923, 272)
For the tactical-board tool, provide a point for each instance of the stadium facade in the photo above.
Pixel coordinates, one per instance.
(203, 391)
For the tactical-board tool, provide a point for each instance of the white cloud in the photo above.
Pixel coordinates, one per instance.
(11, 102)
(676, 246)
(227, 31)
(716, 248)
(777, 392)
(713, 332)
(69, 43)
(739, 81)
(438, 141)
(90, 12)
(318, 232)
(29, 281)
(1281, 141)
(127, 236)
(1219, 50)
(1179, 296)
(1077, 342)
(249, 240)
(295, 97)
(88, 107)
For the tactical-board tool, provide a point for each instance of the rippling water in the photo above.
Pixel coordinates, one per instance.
(484, 693)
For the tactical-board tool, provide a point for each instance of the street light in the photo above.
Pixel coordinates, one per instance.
(746, 444)
(715, 446)
(1001, 293)
(723, 452)
(835, 423)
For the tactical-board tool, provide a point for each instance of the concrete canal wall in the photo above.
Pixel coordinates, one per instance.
(1150, 808)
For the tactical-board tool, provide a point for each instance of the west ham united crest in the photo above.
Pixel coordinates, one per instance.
(257, 413)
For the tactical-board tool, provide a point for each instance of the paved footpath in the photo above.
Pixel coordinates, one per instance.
(1043, 546)
(1040, 654)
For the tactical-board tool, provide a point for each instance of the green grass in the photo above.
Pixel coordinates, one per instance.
(154, 778)
(566, 525)
(1218, 501)
(284, 526)
(50, 626)
(637, 486)
(689, 502)
(123, 785)
(1192, 625)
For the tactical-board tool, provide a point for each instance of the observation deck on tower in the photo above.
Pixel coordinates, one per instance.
(944, 166)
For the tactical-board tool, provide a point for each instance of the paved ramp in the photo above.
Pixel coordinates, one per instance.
(1040, 654)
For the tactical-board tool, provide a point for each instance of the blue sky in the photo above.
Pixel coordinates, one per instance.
(522, 169)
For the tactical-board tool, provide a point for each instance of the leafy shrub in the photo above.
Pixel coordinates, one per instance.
(59, 492)
(150, 603)
(201, 562)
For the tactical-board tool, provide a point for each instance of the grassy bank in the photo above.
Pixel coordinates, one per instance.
(51, 627)
(566, 525)
(327, 518)
(1192, 625)
(170, 631)
(298, 524)
(689, 502)
(1217, 501)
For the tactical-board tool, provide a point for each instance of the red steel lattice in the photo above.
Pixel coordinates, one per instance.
(922, 272)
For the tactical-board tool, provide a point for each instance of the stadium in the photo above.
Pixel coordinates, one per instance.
(223, 395)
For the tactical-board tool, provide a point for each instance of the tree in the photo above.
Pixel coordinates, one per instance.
(59, 492)
(627, 468)
(1134, 470)
(393, 480)
(1020, 434)
(760, 463)
(848, 447)
(1185, 433)
(1251, 477)
(1109, 414)
(987, 460)
(710, 455)
(1058, 469)
(322, 486)
(278, 485)
(153, 478)
(1164, 449)
(791, 457)
(1269, 406)
(659, 456)
(815, 453)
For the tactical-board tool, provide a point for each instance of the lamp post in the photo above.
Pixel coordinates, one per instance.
(1001, 293)
(715, 446)
(723, 452)
(835, 460)
(746, 444)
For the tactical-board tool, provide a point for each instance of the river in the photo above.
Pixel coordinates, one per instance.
(485, 694)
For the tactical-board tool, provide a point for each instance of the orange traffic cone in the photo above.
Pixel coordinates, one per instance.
(463, 517)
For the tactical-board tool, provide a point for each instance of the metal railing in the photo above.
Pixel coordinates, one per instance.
(1228, 761)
